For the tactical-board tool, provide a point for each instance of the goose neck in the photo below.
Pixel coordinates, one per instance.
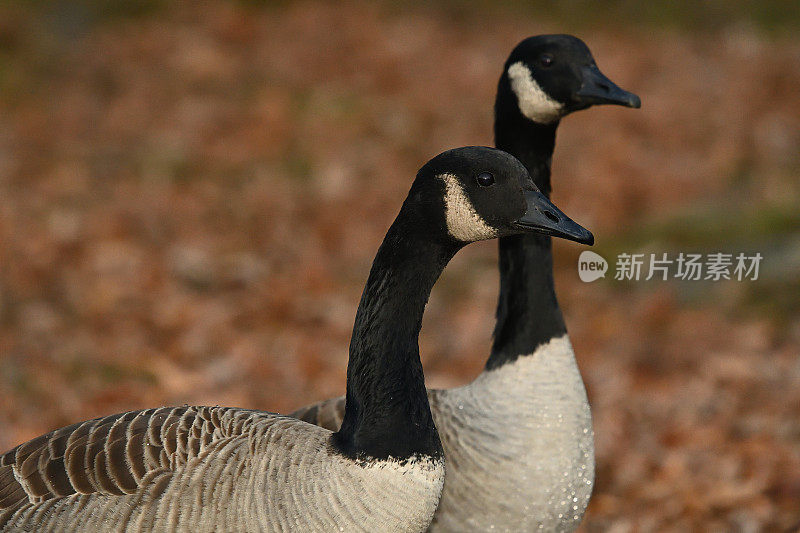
(530, 142)
(528, 314)
(386, 410)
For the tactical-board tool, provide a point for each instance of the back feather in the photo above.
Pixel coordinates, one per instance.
(327, 414)
(110, 455)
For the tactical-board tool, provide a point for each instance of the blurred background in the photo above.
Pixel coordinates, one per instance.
(191, 197)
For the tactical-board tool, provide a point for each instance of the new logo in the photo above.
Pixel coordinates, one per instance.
(591, 266)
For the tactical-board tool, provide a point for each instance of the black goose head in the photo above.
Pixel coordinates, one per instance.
(549, 76)
(476, 193)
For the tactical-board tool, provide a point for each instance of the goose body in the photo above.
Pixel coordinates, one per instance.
(536, 474)
(167, 470)
(518, 440)
(193, 469)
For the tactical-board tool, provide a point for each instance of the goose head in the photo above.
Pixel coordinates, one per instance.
(550, 76)
(482, 193)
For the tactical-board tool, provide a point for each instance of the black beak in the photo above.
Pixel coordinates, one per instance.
(597, 89)
(544, 217)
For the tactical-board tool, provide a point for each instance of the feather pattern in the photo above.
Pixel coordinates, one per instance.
(326, 414)
(206, 469)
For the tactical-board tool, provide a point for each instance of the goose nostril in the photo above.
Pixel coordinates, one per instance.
(604, 86)
(550, 215)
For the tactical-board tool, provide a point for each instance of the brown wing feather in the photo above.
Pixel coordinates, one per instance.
(110, 455)
(327, 414)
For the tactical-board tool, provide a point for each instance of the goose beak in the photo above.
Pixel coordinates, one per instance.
(598, 89)
(544, 217)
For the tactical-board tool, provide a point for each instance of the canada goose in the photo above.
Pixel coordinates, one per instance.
(227, 469)
(518, 440)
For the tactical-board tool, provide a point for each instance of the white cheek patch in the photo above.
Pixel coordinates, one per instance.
(533, 102)
(463, 222)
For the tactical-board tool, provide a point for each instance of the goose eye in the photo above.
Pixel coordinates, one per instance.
(485, 179)
(546, 60)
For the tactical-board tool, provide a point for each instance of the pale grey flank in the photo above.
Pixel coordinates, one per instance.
(208, 469)
(518, 445)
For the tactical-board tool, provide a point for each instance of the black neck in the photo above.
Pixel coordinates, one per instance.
(528, 314)
(386, 408)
